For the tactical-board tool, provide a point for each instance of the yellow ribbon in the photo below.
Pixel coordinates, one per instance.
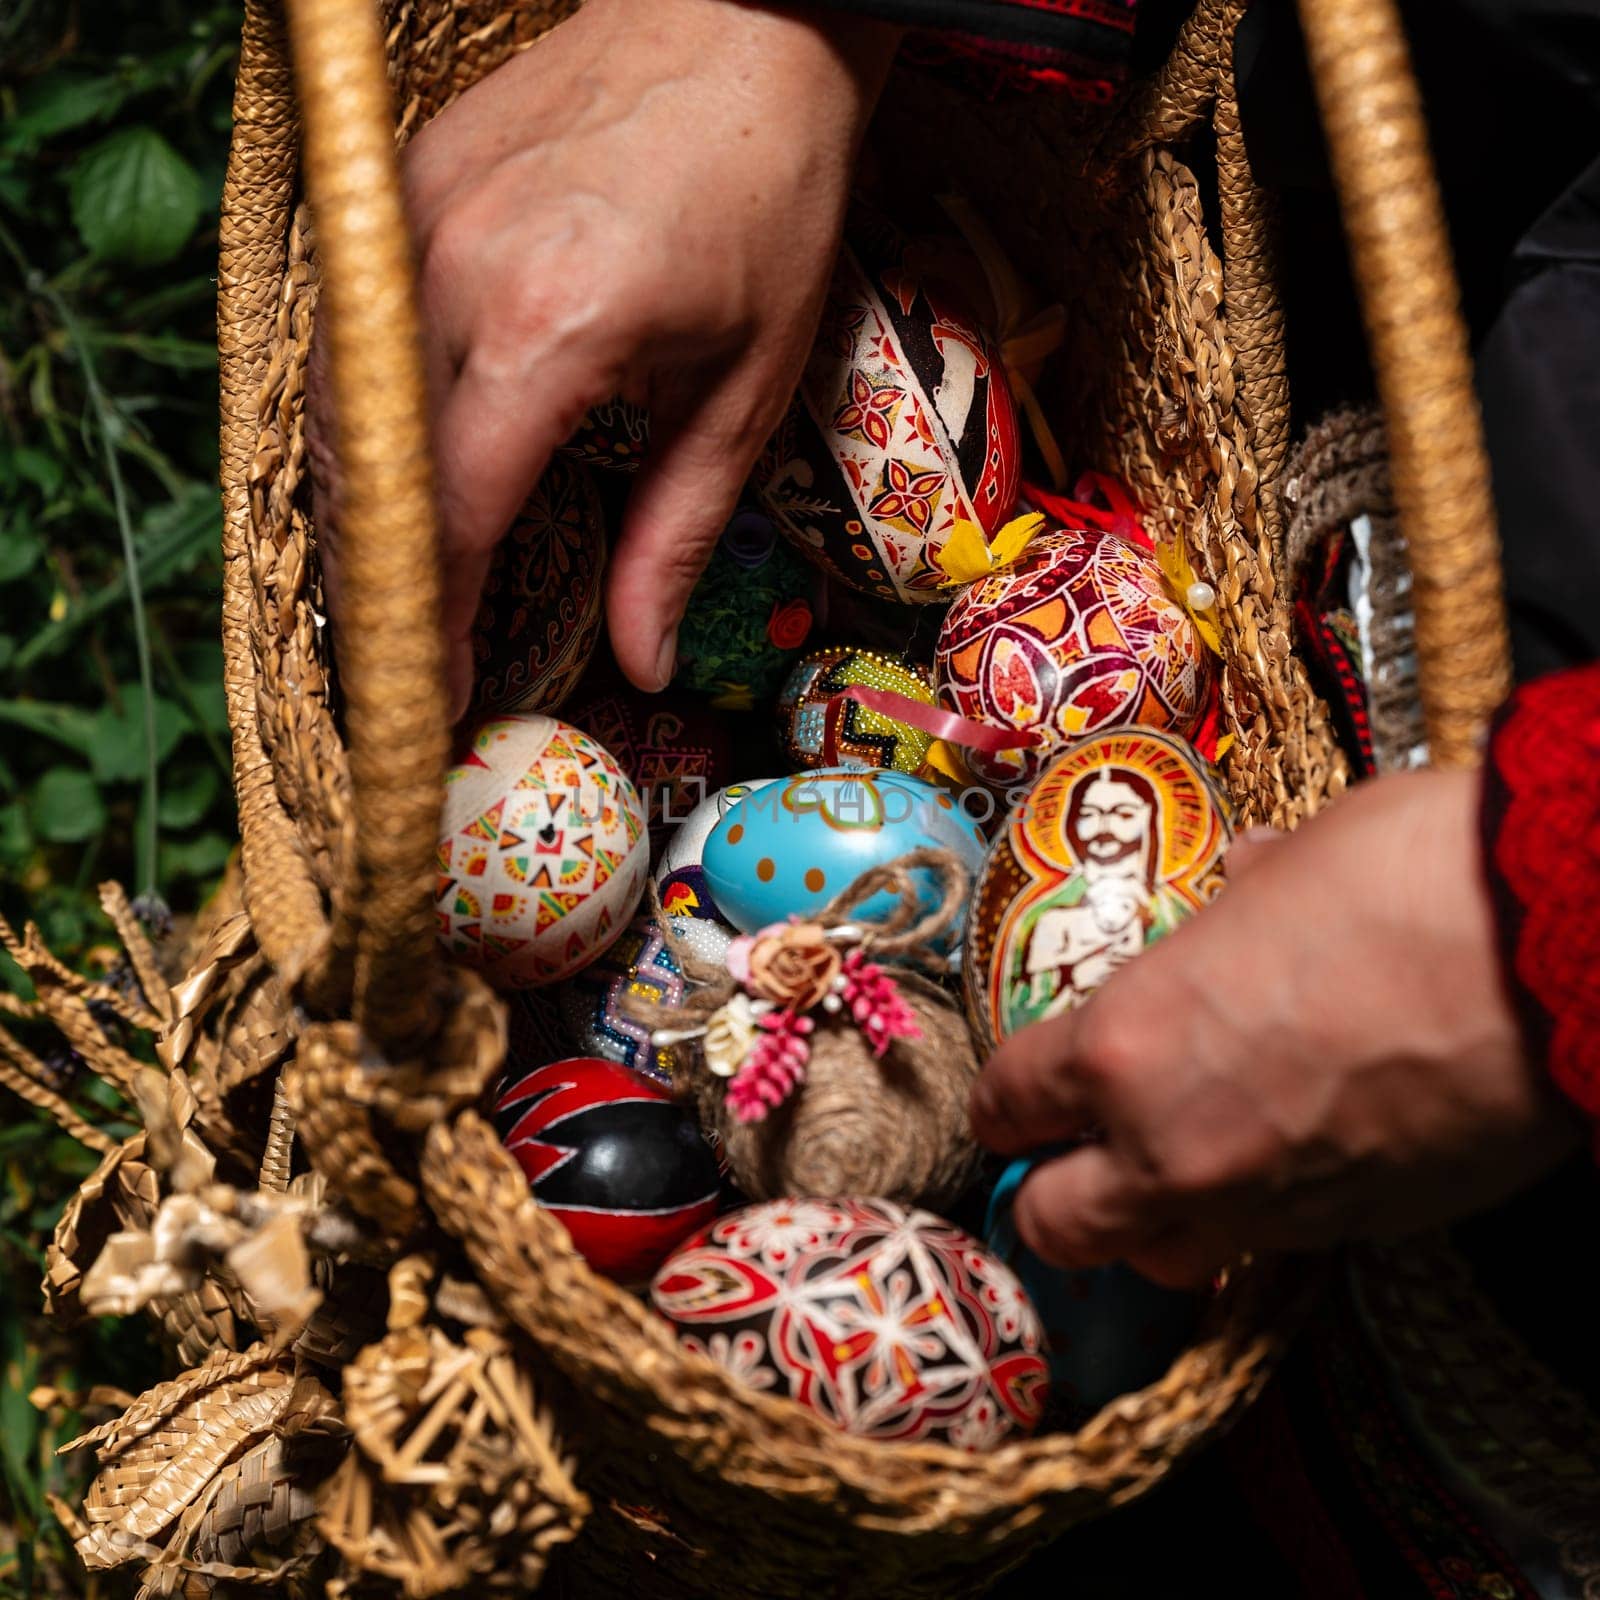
(1197, 598)
(968, 555)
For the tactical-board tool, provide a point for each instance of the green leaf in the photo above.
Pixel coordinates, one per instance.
(200, 857)
(135, 200)
(44, 471)
(67, 808)
(117, 753)
(19, 554)
(60, 101)
(201, 663)
(68, 725)
(16, 838)
(187, 795)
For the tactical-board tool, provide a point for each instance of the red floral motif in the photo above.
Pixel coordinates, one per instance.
(870, 410)
(789, 626)
(907, 498)
(775, 1067)
(1542, 831)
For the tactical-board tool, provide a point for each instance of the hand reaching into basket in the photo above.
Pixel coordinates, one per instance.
(647, 203)
(1328, 1052)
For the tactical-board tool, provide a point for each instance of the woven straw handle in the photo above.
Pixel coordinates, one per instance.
(389, 648)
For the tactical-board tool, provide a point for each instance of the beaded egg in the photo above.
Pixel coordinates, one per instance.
(1081, 633)
(1108, 1330)
(610, 1153)
(539, 619)
(1120, 841)
(903, 425)
(787, 849)
(640, 967)
(750, 614)
(816, 718)
(543, 854)
(889, 1323)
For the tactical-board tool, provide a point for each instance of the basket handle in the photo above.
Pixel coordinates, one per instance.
(1400, 254)
(391, 656)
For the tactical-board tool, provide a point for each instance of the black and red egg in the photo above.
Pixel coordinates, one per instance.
(610, 1153)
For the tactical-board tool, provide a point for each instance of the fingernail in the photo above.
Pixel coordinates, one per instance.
(667, 660)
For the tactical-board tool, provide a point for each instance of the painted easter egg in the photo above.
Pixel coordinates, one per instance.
(789, 848)
(543, 856)
(539, 618)
(903, 425)
(816, 718)
(676, 749)
(1080, 634)
(638, 967)
(890, 1323)
(610, 1153)
(749, 616)
(679, 876)
(1108, 1330)
(614, 434)
(1120, 840)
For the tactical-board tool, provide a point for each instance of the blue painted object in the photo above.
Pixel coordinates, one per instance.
(788, 849)
(1109, 1330)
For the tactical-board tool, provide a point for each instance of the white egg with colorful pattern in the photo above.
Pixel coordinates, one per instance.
(543, 855)
(679, 880)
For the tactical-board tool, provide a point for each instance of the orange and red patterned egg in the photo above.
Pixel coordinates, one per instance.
(902, 425)
(888, 1322)
(1080, 634)
(539, 619)
(1120, 841)
(543, 855)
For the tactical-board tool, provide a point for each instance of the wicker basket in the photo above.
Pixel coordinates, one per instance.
(1174, 376)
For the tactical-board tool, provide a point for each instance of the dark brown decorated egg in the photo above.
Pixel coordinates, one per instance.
(610, 1153)
(539, 619)
(1120, 841)
(903, 424)
(614, 434)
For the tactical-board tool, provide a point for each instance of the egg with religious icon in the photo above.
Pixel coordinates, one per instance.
(1079, 634)
(787, 849)
(890, 1323)
(609, 1152)
(1108, 1330)
(824, 727)
(539, 618)
(639, 968)
(1122, 839)
(903, 425)
(543, 854)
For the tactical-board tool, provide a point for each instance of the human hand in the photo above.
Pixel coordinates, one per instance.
(649, 203)
(1327, 1052)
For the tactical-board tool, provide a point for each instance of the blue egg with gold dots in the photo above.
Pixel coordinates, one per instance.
(787, 849)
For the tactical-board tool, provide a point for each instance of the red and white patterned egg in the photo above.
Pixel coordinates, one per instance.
(889, 1322)
(539, 619)
(543, 855)
(1079, 635)
(903, 424)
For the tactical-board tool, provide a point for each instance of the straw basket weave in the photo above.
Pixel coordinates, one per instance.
(1173, 376)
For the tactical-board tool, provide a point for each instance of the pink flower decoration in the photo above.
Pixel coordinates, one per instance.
(876, 1005)
(775, 1066)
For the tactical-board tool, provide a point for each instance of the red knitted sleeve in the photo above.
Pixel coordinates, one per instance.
(1076, 47)
(1541, 819)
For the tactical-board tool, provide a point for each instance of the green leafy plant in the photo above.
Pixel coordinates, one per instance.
(114, 118)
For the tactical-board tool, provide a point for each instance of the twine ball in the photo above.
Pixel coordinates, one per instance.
(895, 1126)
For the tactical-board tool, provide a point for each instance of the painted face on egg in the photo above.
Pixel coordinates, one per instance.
(608, 1152)
(814, 715)
(903, 424)
(1120, 840)
(544, 854)
(1080, 635)
(889, 1323)
(789, 848)
(539, 619)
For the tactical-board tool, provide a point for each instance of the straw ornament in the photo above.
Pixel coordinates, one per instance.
(825, 1071)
